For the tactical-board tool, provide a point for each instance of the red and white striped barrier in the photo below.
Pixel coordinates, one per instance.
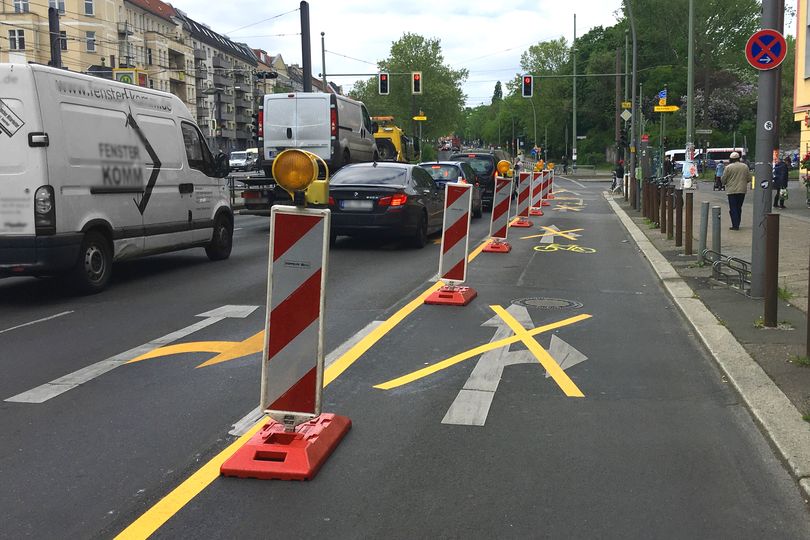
(535, 209)
(546, 189)
(455, 244)
(499, 221)
(551, 185)
(299, 437)
(524, 188)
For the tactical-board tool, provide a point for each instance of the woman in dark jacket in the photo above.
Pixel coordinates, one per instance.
(780, 182)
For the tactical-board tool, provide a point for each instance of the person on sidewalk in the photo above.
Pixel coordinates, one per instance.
(780, 182)
(735, 179)
(718, 174)
(669, 167)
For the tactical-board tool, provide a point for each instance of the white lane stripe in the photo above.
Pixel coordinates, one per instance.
(571, 180)
(246, 422)
(36, 321)
(59, 386)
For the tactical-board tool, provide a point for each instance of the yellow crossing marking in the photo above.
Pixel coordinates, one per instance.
(552, 232)
(552, 367)
(453, 360)
(566, 208)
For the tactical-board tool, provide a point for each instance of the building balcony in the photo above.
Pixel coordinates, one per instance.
(222, 80)
(201, 73)
(242, 118)
(242, 103)
(124, 29)
(244, 134)
(226, 98)
(228, 134)
(220, 62)
(199, 54)
(225, 115)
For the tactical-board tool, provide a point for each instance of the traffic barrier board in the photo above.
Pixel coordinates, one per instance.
(766, 49)
(499, 220)
(524, 188)
(535, 209)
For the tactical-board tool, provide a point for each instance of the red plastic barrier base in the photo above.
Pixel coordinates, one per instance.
(273, 454)
(451, 295)
(545, 203)
(522, 223)
(550, 196)
(535, 212)
(497, 247)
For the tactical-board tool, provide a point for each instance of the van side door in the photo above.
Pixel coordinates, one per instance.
(206, 189)
(367, 135)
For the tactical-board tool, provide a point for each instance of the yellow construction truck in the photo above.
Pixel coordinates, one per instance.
(392, 143)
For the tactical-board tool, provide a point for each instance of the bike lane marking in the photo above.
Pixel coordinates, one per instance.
(162, 511)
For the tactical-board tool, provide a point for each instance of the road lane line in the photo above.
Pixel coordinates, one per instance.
(151, 520)
(552, 367)
(59, 386)
(35, 322)
(574, 181)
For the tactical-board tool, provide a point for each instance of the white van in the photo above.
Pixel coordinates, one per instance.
(94, 171)
(334, 127)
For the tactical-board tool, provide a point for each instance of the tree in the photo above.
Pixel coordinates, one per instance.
(442, 99)
(498, 93)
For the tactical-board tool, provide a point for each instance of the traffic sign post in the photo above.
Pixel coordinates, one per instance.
(766, 49)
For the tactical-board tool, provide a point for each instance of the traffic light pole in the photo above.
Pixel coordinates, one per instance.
(574, 138)
(633, 188)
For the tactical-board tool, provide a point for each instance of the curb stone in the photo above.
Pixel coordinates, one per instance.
(779, 418)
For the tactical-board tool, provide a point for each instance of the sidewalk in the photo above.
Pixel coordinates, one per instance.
(774, 350)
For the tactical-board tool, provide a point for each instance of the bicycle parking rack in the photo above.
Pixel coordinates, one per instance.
(732, 271)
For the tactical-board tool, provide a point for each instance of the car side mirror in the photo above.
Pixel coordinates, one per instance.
(375, 127)
(222, 167)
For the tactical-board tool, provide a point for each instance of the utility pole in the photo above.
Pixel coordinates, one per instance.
(690, 91)
(306, 48)
(633, 144)
(767, 118)
(626, 78)
(574, 138)
(55, 37)
(323, 61)
(618, 99)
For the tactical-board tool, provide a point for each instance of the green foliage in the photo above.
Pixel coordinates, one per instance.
(442, 99)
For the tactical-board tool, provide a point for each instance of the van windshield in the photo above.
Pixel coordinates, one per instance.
(238, 155)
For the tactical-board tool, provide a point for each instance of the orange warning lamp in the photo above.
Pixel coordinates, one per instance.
(503, 167)
(297, 172)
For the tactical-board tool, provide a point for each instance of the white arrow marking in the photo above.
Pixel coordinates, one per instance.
(549, 238)
(59, 386)
(565, 355)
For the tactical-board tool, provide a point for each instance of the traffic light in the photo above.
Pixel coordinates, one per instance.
(382, 84)
(528, 85)
(416, 82)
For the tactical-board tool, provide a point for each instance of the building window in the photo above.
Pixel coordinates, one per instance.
(63, 40)
(20, 6)
(88, 7)
(91, 42)
(16, 40)
(149, 56)
(57, 4)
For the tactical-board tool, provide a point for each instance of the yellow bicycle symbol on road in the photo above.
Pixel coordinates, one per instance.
(574, 248)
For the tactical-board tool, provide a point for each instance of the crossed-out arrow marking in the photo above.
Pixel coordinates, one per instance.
(548, 236)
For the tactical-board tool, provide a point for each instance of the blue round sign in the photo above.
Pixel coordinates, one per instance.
(766, 49)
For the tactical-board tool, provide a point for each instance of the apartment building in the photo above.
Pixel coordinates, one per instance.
(88, 32)
(801, 77)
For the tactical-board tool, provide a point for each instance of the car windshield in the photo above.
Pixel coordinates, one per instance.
(483, 165)
(442, 173)
(371, 176)
(238, 155)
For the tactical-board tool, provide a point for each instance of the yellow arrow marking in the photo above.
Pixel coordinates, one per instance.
(552, 232)
(552, 367)
(453, 360)
(228, 350)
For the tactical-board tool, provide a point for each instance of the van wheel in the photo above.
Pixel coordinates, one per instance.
(420, 237)
(222, 241)
(94, 267)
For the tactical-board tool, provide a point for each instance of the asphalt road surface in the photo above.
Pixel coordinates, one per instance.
(657, 444)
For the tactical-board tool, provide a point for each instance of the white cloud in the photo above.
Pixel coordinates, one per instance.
(484, 36)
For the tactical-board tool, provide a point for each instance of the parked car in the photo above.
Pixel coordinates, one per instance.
(385, 199)
(238, 161)
(484, 164)
(443, 172)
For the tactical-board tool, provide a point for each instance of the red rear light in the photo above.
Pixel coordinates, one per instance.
(333, 121)
(471, 155)
(395, 200)
(332, 201)
(251, 195)
(260, 127)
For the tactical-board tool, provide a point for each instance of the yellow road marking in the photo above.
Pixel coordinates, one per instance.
(453, 360)
(151, 520)
(228, 350)
(552, 367)
(565, 208)
(552, 232)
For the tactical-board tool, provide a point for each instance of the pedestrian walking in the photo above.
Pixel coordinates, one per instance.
(780, 182)
(669, 168)
(718, 174)
(735, 179)
(564, 162)
(618, 175)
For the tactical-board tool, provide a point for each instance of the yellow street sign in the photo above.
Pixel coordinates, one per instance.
(666, 108)
(626, 105)
(420, 118)
(662, 102)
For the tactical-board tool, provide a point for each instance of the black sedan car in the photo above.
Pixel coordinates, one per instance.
(385, 199)
(443, 172)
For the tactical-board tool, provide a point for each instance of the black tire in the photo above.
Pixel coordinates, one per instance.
(420, 237)
(222, 240)
(94, 267)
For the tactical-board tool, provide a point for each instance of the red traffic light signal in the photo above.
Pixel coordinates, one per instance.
(382, 84)
(416, 82)
(528, 86)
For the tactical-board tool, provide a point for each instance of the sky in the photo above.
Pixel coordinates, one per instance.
(482, 36)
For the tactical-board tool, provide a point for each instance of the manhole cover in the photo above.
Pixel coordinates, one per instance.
(547, 303)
